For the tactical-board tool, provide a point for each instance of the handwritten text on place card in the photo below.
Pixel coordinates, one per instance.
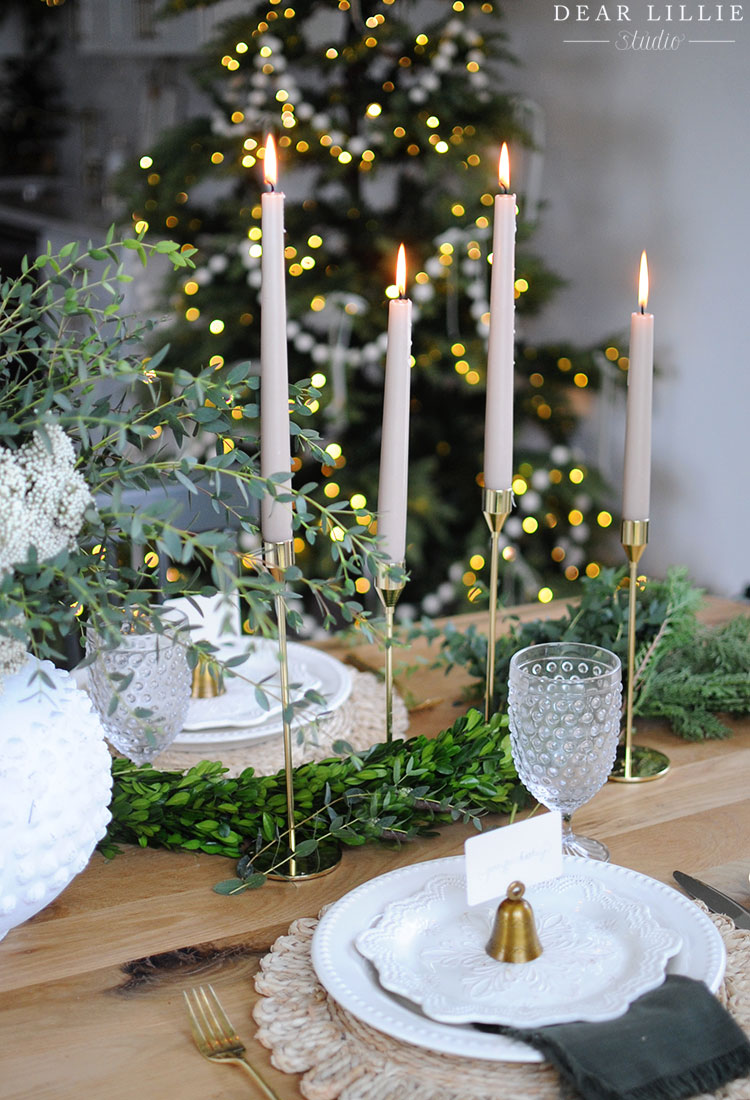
(530, 851)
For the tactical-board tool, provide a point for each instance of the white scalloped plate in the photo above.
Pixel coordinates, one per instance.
(353, 982)
(600, 952)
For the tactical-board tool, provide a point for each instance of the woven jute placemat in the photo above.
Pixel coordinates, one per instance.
(343, 1059)
(360, 721)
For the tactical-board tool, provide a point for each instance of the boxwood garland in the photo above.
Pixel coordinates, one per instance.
(391, 793)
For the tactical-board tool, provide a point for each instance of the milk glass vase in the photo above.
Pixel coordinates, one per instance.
(564, 703)
(141, 685)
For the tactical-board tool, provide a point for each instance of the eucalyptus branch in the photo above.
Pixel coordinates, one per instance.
(84, 382)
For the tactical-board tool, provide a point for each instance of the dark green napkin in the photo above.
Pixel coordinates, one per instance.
(673, 1042)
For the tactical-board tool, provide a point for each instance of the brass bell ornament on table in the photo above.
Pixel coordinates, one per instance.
(208, 679)
(514, 938)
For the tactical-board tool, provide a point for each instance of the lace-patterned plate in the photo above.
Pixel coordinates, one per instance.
(601, 951)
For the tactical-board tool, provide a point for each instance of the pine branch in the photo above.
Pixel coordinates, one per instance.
(685, 673)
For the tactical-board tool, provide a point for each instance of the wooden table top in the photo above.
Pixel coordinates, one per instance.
(91, 988)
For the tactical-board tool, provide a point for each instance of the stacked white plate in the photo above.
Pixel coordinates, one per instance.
(405, 954)
(238, 718)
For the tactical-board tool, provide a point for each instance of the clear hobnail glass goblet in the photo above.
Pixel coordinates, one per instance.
(140, 685)
(564, 701)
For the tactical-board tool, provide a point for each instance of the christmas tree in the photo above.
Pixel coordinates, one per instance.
(389, 124)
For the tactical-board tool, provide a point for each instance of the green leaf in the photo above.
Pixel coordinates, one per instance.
(306, 848)
(230, 886)
(185, 482)
(261, 698)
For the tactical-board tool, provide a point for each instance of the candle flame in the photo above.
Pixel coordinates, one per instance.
(401, 271)
(503, 172)
(643, 283)
(270, 163)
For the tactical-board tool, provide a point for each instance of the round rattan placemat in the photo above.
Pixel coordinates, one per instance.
(343, 1059)
(360, 721)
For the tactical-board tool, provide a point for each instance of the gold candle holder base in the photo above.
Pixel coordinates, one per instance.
(514, 937)
(497, 505)
(635, 763)
(389, 589)
(321, 862)
(645, 764)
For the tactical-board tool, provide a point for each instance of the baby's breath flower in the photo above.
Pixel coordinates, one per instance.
(42, 498)
(42, 503)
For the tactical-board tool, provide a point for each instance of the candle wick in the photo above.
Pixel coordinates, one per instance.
(271, 186)
(643, 309)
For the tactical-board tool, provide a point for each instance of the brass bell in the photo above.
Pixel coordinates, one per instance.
(208, 678)
(514, 938)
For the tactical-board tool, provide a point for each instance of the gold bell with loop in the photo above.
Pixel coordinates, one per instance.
(208, 678)
(514, 938)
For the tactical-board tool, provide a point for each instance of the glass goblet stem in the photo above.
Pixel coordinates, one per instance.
(575, 845)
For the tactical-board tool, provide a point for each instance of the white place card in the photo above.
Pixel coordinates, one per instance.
(529, 851)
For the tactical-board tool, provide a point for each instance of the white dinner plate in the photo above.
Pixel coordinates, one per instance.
(214, 723)
(352, 980)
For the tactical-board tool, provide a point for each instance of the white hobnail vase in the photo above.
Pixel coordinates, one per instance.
(55, 788)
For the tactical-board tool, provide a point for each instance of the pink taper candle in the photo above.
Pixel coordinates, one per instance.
(636, 491)
(275, 456)
(498, 423)
(394, 447)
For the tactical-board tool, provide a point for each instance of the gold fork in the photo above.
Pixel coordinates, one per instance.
(215, 1037)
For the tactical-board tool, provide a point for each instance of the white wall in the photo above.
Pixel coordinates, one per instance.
(114, 28)
(652, 150)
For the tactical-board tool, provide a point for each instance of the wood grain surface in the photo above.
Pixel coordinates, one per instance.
(91, 988)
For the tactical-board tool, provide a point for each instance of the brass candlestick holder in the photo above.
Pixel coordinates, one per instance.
(278, 557)
(389, 588)
(635, 763)
(497, 505)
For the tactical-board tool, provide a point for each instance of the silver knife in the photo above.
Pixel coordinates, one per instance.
(714, 899)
